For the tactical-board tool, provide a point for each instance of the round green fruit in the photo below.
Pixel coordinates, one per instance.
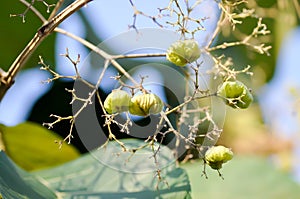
(145, 104)
(117, 101)
(235, 94)
(183, 51)
(216, 156)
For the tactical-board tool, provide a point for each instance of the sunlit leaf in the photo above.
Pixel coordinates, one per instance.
(17, 183)
(94, 176)
(89, 177)
(32, 146)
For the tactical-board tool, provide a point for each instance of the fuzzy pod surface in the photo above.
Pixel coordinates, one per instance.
(216, 156)
(183, 51)
(236, 94)
(145, 104)
(117, 101)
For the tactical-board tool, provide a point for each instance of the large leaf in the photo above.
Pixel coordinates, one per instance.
(245, 178)
(96, 175)
(104, 174)
(32, 146)
(17, 183)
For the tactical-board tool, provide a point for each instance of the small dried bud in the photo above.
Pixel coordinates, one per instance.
(117, 101)
(183, 51)
(217, 155)
(145, 104)
(236, 93)
(229, 2)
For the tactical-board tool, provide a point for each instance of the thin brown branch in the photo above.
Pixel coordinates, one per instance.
(217, 30)
(143, 55)
(7, 79)
(99, 52)
(34, 10)
(56, 8)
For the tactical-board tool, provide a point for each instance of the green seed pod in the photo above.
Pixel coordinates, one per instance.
(145, 104)
(217, 155)
(183, 51)
(236, 93)
(117, 101)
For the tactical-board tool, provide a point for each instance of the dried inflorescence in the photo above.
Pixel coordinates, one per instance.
(185, 52)
(31, 4)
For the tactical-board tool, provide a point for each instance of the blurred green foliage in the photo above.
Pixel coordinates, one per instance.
(280, 16)
(14, 34)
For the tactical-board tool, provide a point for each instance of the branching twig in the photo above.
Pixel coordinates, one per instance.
(142, 55)
(56, 8)
(137, 12)
(99, 52)
(43, 32)
(260, 29)
(29, 7)
(53, 73)
(34, 10)
(74, 62)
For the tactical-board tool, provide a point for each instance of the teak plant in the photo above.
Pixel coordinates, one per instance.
(131, 97)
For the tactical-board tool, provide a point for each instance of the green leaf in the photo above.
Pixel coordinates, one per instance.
(97, 174)
(32, 146)
(89, 177)
(17, 183)
(14, 34)
(245, 178)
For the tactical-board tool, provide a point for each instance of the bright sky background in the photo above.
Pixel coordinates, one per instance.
(280, 99)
